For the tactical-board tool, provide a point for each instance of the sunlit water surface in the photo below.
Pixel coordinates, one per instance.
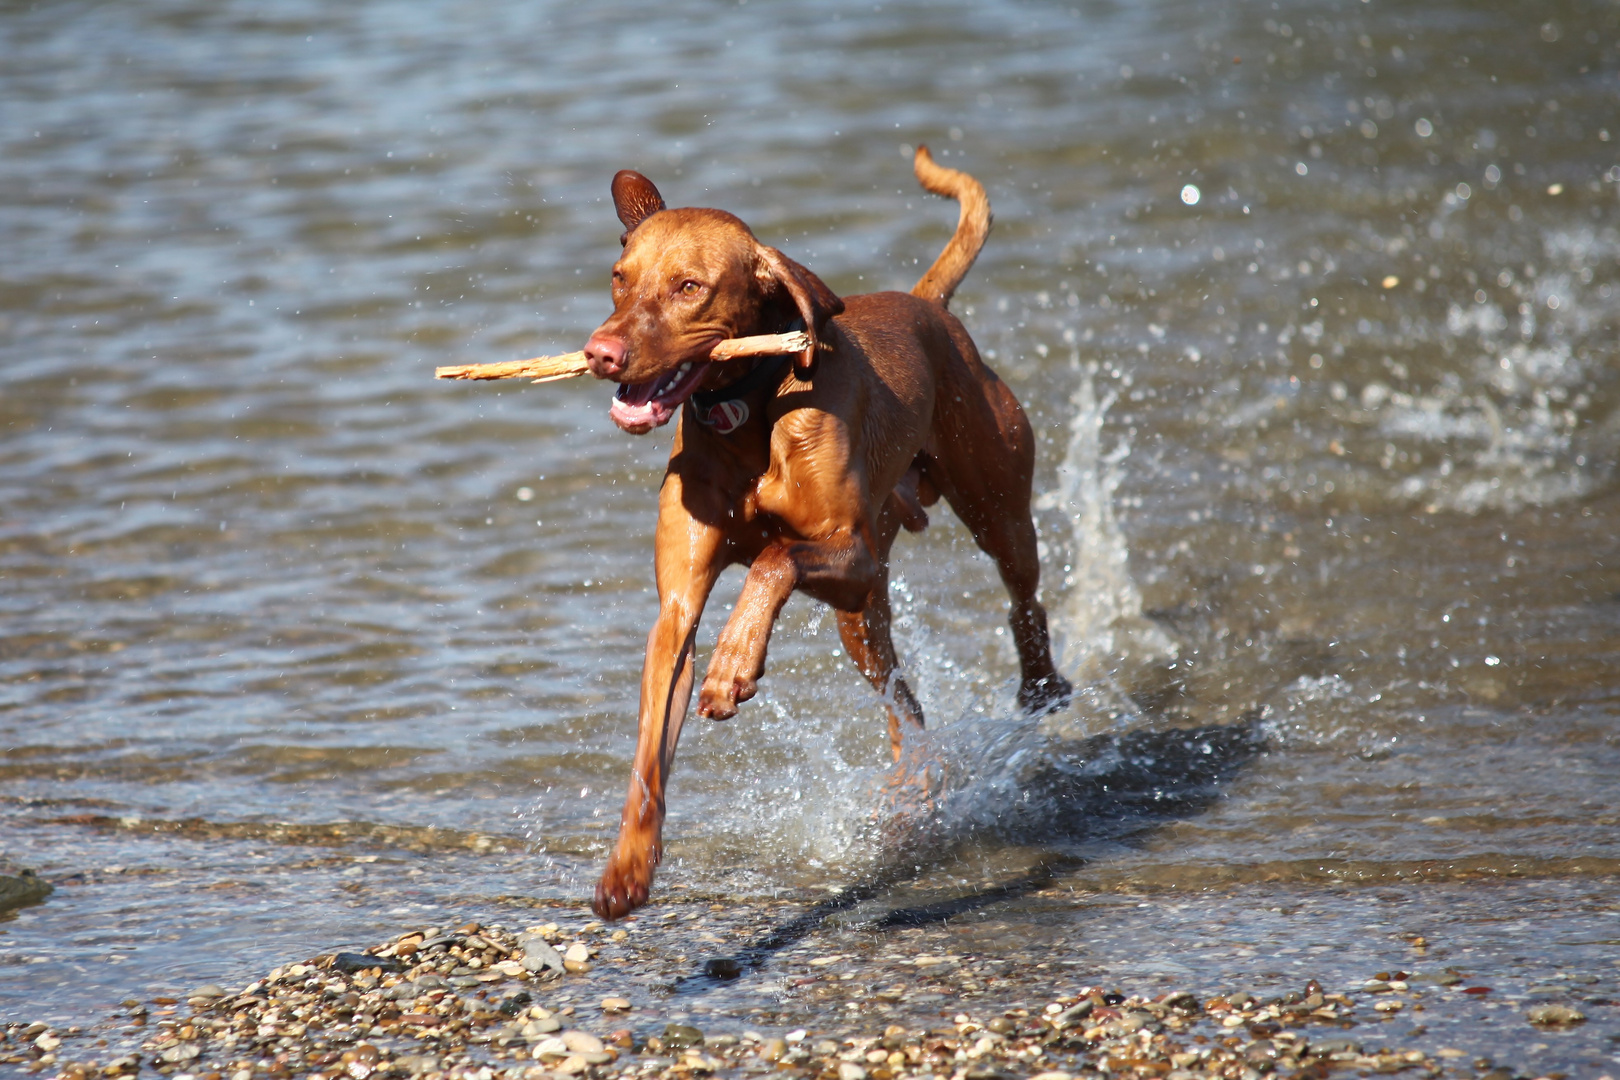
(1312, 306)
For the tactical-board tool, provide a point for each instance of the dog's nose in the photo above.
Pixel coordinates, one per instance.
(604, 354)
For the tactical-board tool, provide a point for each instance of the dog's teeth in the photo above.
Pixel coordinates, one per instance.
(684, 368)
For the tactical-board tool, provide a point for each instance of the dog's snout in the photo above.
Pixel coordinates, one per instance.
(604, 354)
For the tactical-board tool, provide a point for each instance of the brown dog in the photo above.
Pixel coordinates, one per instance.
(804, 472)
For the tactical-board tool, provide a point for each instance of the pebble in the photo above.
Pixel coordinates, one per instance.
(580, 1042)
(539, 956)
(480, 1003)
(551, 1047)
(20, 886)
(724, 967)
(1553, 1015)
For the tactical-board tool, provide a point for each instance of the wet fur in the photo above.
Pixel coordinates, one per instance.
(890, 409)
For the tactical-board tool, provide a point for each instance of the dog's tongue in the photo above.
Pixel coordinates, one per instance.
(633, 405)
(635, 394)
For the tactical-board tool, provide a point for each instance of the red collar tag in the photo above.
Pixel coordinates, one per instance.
(725, 416)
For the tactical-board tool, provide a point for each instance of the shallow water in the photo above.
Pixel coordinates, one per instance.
(1313, 307)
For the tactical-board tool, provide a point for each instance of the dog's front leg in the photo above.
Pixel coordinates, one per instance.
(687, 561)
(840, 571)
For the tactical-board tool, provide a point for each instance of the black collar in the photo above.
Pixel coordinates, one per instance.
(767, 371)
(726, 409)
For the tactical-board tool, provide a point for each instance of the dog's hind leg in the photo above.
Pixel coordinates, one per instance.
(983, 461)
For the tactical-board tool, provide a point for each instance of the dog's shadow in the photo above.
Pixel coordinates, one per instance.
(1119, 787)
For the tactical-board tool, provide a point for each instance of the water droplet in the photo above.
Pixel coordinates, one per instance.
(1190, 194)
(1423, 128)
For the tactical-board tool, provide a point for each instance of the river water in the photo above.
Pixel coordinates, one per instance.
(1313, 307)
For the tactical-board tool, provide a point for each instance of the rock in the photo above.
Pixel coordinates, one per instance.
(181, 1053)
(129, 1063)
(682, 1036)
(1261, 1050)
(1074, 1014)
(772, 1049)
(552, 1047)
(1051, 1076)
(47, 1042)
(539, 957)
(1329, 1047)
(509, 1005)
(349, 963)
(535, 1030)
(580, 1042)
(578, 958)
(20, 886)
(572, 1065)
(615, 1004)
(848, 1070)
(1555, 1015)
(722, 967)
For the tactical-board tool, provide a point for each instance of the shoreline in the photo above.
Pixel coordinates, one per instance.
(612, 1002)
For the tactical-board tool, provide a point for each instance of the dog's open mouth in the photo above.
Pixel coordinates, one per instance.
(640, 407)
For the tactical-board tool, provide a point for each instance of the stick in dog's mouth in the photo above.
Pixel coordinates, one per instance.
(571, 365)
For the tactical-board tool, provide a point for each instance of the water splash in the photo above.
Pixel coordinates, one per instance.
(1098, 625)
(801, 810)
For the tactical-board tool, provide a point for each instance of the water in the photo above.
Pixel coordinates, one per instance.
(1327, 460)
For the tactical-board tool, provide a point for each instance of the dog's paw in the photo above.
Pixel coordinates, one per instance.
(730, 681)
(1045, 695)
(721, 696)
(626, 883)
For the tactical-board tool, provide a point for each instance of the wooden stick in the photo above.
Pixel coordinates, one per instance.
(567, 366)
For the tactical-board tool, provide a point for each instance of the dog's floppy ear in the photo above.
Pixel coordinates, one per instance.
(635, 199)
(816, 302)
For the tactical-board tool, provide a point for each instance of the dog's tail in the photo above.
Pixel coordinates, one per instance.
(971, 228)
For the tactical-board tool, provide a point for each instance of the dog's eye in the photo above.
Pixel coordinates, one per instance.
(691, 288)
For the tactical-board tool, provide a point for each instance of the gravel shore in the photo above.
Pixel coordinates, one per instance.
(481, 1002)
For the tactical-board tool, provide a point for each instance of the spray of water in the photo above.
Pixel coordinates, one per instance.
(1099, 623)
(801, 809)
(983, 767)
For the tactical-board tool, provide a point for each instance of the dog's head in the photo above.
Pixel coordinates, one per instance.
(687, 280)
